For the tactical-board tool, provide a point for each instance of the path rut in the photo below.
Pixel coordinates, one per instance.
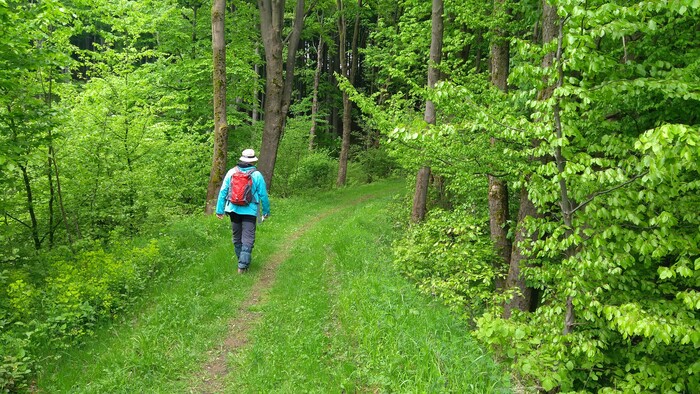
(216, 369)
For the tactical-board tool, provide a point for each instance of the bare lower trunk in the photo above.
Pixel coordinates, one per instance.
(314, 104)
(348, 71)
(34, 228)
(60, 199)
(218, 165)
(498, 223)
(278, 84)
(345, 145)
(420, 196)
(255, 115)
(52, 194)
(522, 294)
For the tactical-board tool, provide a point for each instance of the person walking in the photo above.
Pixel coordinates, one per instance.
(242, 192)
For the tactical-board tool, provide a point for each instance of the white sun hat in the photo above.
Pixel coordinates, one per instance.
(248, 156)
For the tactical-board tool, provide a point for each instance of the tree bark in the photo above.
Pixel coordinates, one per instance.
(498, 223)
(348, 70)
(477, 58)
(437, 28)
(218, 166)
(34, 228)
(523, 295)
(52, 193)
(278, 86)
(255, 115)
(420, 197)
(314, 103)
(60, 200)
(498, 189)
(421, 194)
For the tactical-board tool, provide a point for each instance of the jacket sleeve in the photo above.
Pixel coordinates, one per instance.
(261, 191)
(223, 192)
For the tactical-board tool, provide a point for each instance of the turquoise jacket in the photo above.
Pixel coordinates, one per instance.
(259, 195)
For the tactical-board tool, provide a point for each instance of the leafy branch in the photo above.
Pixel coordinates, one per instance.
(606, 191)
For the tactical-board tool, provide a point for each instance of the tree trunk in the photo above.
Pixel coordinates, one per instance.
(34, 228)
(565, 201)
(53, 165)
(314, 104)
(218, 166)
(477, 58)
(498, 189)
(522, 298)
(552, 29)
(348, 70)
(435, 56)
(256, 95)
(278, 87)
(52, 194)
(60, 200)
(498, 223)
(420, 197)
(527, 208)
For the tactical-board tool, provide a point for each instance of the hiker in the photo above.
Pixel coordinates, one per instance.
(241, 193)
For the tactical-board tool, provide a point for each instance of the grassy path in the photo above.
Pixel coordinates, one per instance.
(321, 311)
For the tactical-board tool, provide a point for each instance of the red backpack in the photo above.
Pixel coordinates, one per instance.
(241, 187)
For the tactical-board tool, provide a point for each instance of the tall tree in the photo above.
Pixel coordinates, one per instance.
(498, 188)
(279, 77)
(348, 71)
(423, 175)
(218, 166)
(522, 296)
(314, 100)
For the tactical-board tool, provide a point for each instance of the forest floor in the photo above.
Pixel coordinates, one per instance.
(321, 310)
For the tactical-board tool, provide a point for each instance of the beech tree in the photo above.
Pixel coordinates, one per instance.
(522, 293)
(423, 175)
(218, 166)
(279, 76)
(348, 69)
(499, 213)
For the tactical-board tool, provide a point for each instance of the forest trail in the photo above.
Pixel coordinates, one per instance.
(321, 310)
(247, 317)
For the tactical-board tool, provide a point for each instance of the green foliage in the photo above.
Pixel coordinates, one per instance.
(294, 146)
(70, 298)
(316, 171)
(299, 169)
(628, 260)
(124, 163)
(450, 256)
(375, 164)
(627, 101)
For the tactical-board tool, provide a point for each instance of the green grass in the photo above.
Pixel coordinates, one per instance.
(338, 318)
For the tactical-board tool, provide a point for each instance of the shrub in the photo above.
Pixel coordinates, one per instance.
(317, 170)
(63, 305)
(375, 164)
(450, 256)
(293, 148)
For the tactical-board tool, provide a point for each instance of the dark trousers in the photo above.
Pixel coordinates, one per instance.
(243, 227)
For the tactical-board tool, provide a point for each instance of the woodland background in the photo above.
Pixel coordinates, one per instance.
(555, 148)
